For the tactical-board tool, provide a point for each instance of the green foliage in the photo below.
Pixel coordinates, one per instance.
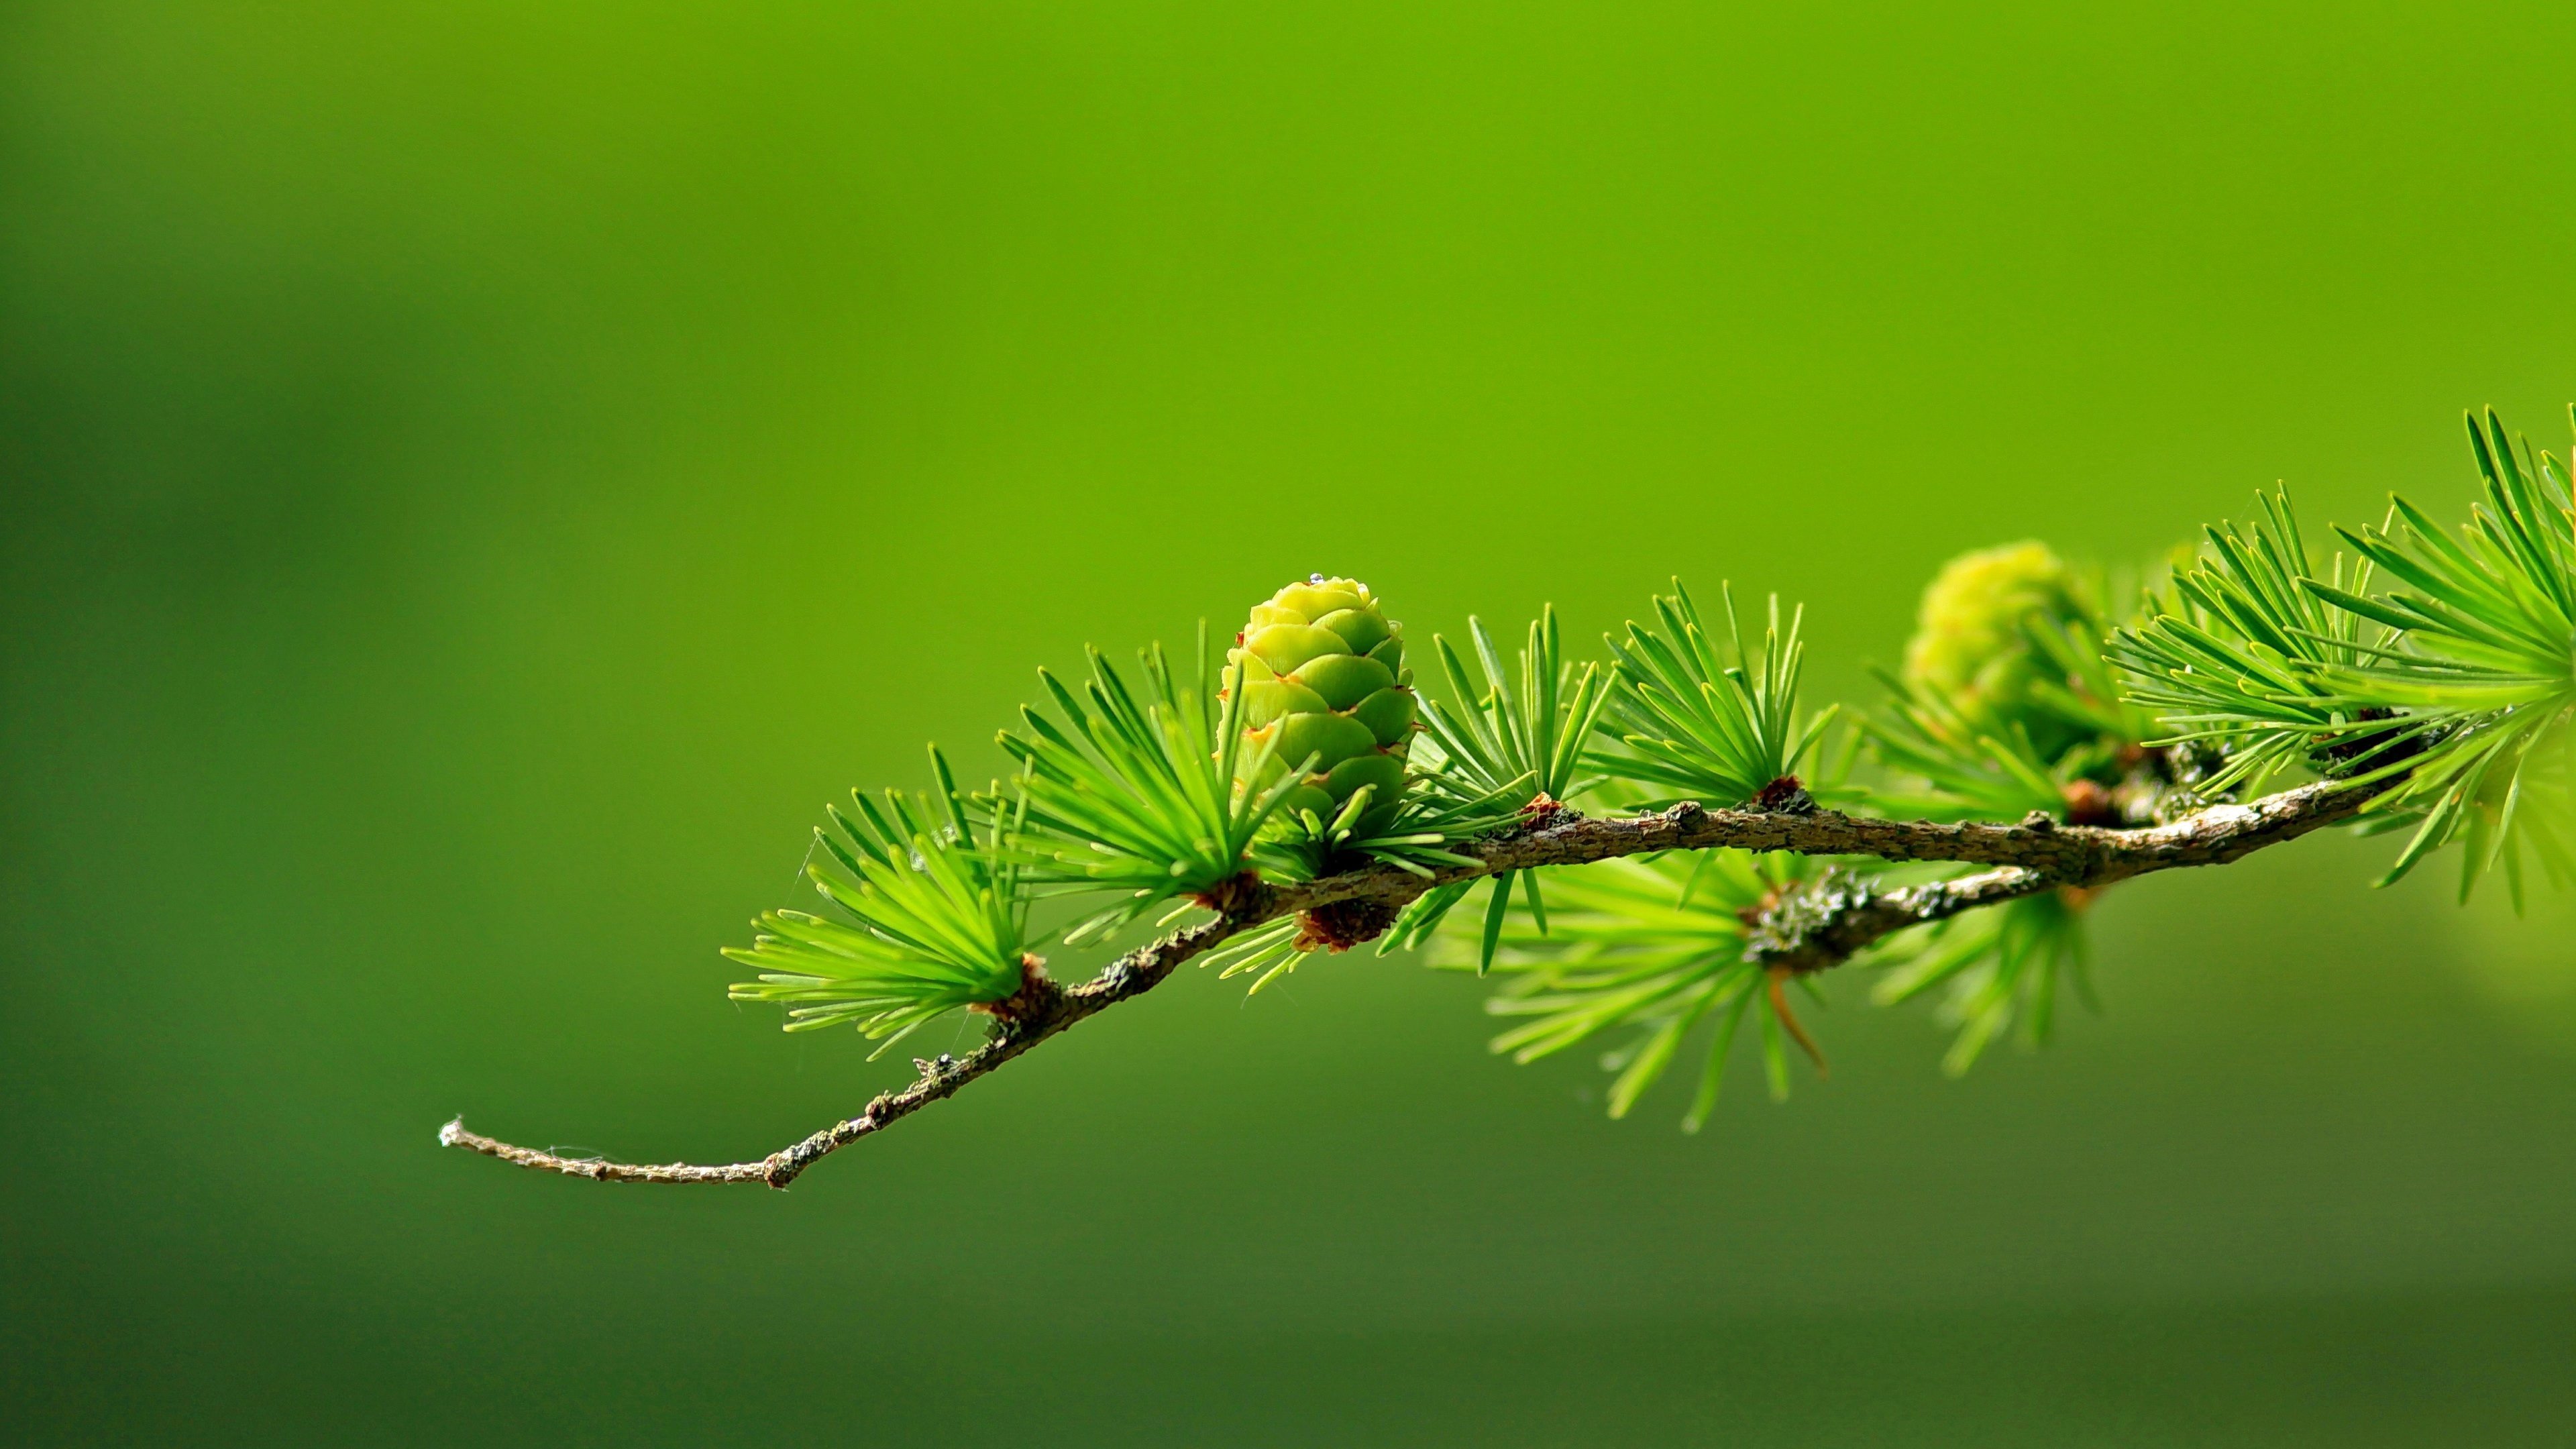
(1950, 766)
(1998, 963)
(2075, 686)
(937, 919)
(1137, 797)
(1521, 743)
(1265, 953)
(1437, 811)
(2243, 654)
(1521, 740)
(1701, 722)
(1651, 945)
(2488, 652)
(2457, 684)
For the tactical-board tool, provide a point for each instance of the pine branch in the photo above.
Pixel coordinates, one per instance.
(1808, 932)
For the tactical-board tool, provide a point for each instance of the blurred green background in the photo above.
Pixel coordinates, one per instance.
(478, 476)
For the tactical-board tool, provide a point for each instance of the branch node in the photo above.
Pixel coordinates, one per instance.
(1037, 999)
(1238, 894)
(1340, 925)
(1786, 795)
(1545, 810)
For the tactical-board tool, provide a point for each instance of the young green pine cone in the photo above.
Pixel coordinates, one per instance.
(1324, 675)
(1968, 645)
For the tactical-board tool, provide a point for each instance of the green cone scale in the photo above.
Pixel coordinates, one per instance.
(1324, 677)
